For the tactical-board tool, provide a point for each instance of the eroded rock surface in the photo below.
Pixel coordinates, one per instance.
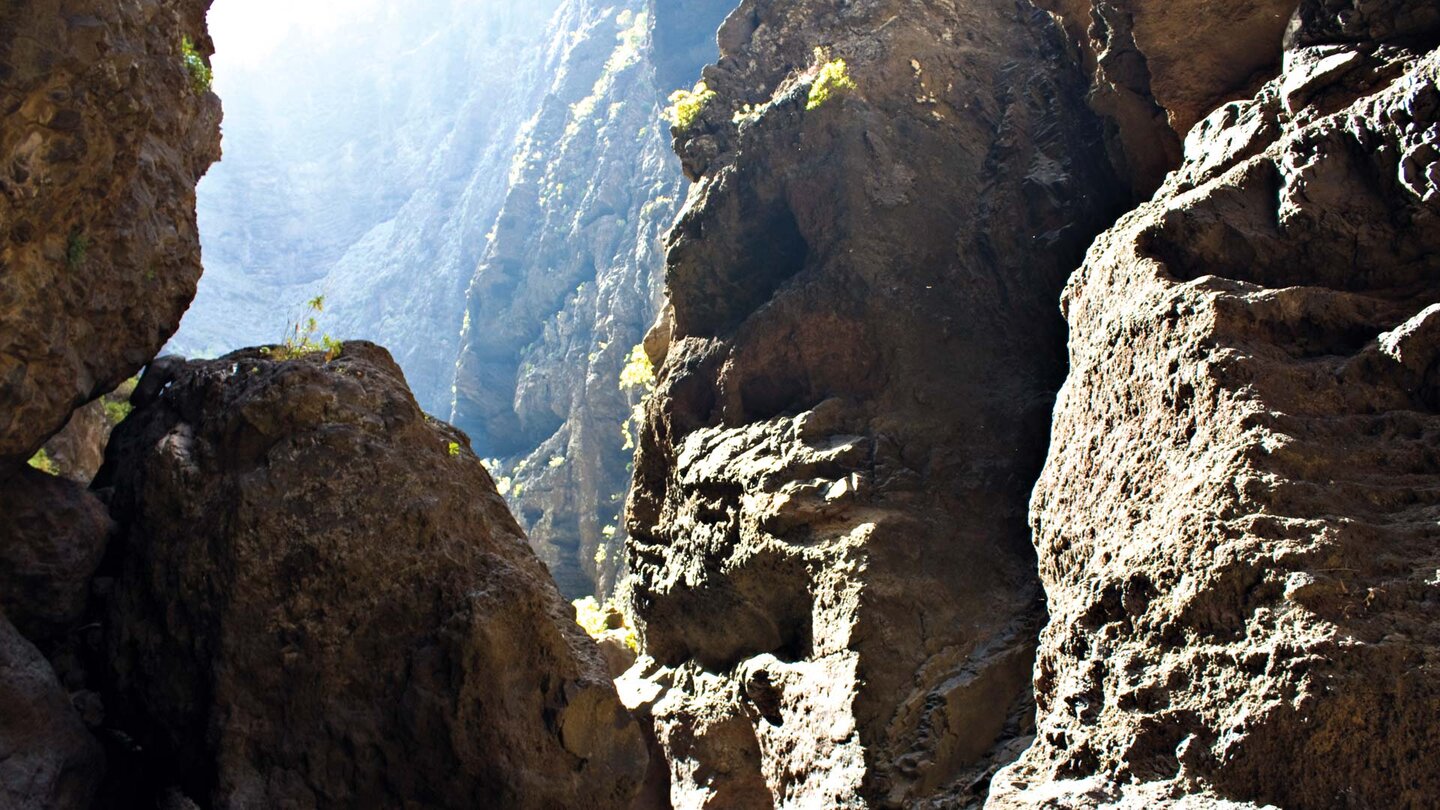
(48, 761)
(103, 134)
(1237, 524)
(833, 575)
(321, 600)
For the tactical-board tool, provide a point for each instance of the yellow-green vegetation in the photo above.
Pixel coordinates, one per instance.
(200, 75)
(117, 403)
(600, 620)
(76, 248)
(555, 461)
(638, 372)
(454, 449)
(686, 106)
(832, 80)
(42, 462)
(304, 337)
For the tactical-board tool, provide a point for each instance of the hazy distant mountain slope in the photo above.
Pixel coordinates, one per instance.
(366, 168)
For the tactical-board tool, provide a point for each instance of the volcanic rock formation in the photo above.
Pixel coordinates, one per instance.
(320, 600)
(833, 574)
(1237, 524)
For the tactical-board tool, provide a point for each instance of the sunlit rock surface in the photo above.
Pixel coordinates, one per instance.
(1237, 524)
(571, 278)
(834, 577)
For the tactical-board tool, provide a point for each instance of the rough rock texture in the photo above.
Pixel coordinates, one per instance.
(103, 135)
(48, 761)
(321, 600)
(1160, 67)
(52, 536)
(833, 574)
(1237, 524)
(572, 276)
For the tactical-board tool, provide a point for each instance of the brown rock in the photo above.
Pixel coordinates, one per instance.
(323, 601)
(1157, 68)
(52, 536)
(833, 576)
(103, 136)
(48, 761)
(1237, 523)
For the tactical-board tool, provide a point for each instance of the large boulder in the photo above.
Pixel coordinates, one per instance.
(48, 761)
(321, 600)
(1237, 524)
(833, 576)
(52, 537)
(104, 131)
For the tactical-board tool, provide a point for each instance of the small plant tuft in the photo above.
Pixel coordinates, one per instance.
(201, 77)
(686, 106)
(599, 621)
(453, 449)
(833, 80)
(42, 462)
(304, 337)
(76, 248)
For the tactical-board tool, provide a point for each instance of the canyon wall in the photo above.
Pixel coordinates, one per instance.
(833, 574)
(1237, 522)
(570, 278)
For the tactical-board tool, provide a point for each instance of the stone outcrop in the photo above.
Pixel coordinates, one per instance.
(103, 134)
(833, 576)
(1237, 521)
(571, 277)
(319, 599)
(48, 761)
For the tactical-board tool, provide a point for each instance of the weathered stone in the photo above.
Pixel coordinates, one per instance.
(1237, 524)
(322, 600)
(78, 450)
(52, 536)
(48, 761)
(103, 135)
(833, 576)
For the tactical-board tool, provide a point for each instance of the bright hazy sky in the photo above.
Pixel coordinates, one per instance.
(246, 31)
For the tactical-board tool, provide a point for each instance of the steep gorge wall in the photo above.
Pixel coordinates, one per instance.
(1237, 521)
(833, 575)
(570, 278)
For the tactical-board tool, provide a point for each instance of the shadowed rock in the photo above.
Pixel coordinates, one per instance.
(321, 600)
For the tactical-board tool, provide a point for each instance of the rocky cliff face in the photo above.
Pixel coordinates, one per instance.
(1237, 521)
(571, 276)
(834, 578)
(103, 133)
(319, 599)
